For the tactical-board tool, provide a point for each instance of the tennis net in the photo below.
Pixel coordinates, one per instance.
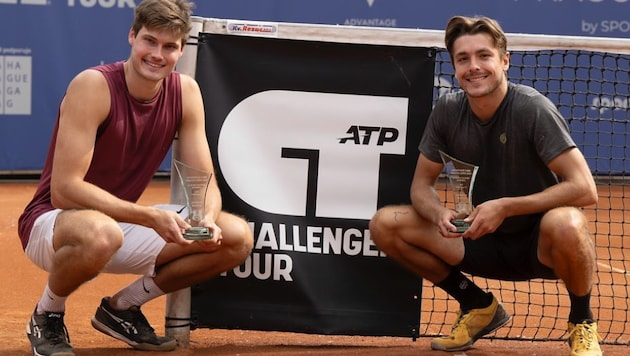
(588, 79)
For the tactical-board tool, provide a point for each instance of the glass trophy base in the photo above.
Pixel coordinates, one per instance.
(461, 225)
(197, 233)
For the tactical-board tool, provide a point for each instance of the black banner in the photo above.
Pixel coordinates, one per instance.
(309, 139)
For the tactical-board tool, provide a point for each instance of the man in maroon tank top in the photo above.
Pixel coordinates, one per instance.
(114, 127)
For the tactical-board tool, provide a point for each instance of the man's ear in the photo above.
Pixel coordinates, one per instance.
(506, 61)
(181, 52)
(131, 36)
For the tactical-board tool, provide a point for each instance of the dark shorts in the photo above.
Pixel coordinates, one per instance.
(505, 256)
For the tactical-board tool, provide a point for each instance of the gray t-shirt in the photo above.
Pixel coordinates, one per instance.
(511, 149)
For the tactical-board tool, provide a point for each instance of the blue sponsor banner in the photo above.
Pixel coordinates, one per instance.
(58, 39)
(44, 43)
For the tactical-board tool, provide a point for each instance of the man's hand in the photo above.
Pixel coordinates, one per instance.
(169, 225)
(446, 226)
(485, 219)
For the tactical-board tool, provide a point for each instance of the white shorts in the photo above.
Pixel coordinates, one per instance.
(137, 254)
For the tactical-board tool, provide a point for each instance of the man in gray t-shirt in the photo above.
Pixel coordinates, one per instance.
(525, 221)
(522, 136)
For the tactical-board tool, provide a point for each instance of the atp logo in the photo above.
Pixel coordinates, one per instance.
(278, 148)
(362, 135)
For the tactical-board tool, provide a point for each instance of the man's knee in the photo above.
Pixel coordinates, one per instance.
(241, 238)
(100, 243)
(566, 223)
(376, 226)
(564, 231)
(381, 230)
(86, 241)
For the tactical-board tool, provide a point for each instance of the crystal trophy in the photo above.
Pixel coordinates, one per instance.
(461, 176)
(194, 183)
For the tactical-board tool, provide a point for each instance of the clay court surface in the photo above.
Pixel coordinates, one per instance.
(22, 284)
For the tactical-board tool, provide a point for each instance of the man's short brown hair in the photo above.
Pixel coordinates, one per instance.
(459, 26)
(169, 15)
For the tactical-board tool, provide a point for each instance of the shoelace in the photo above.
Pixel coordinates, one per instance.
(459, 323)
(583, 336)
(55, 330)
(140, 322)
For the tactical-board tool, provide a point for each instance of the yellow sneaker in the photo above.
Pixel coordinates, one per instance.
(584, 339)
(471, 326)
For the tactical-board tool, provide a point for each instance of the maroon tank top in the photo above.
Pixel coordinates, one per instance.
(130, 144)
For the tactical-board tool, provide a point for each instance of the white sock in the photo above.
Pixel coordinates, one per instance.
(137, 293)
(50, 302)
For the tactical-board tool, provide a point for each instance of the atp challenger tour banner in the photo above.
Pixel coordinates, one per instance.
(309, 139)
